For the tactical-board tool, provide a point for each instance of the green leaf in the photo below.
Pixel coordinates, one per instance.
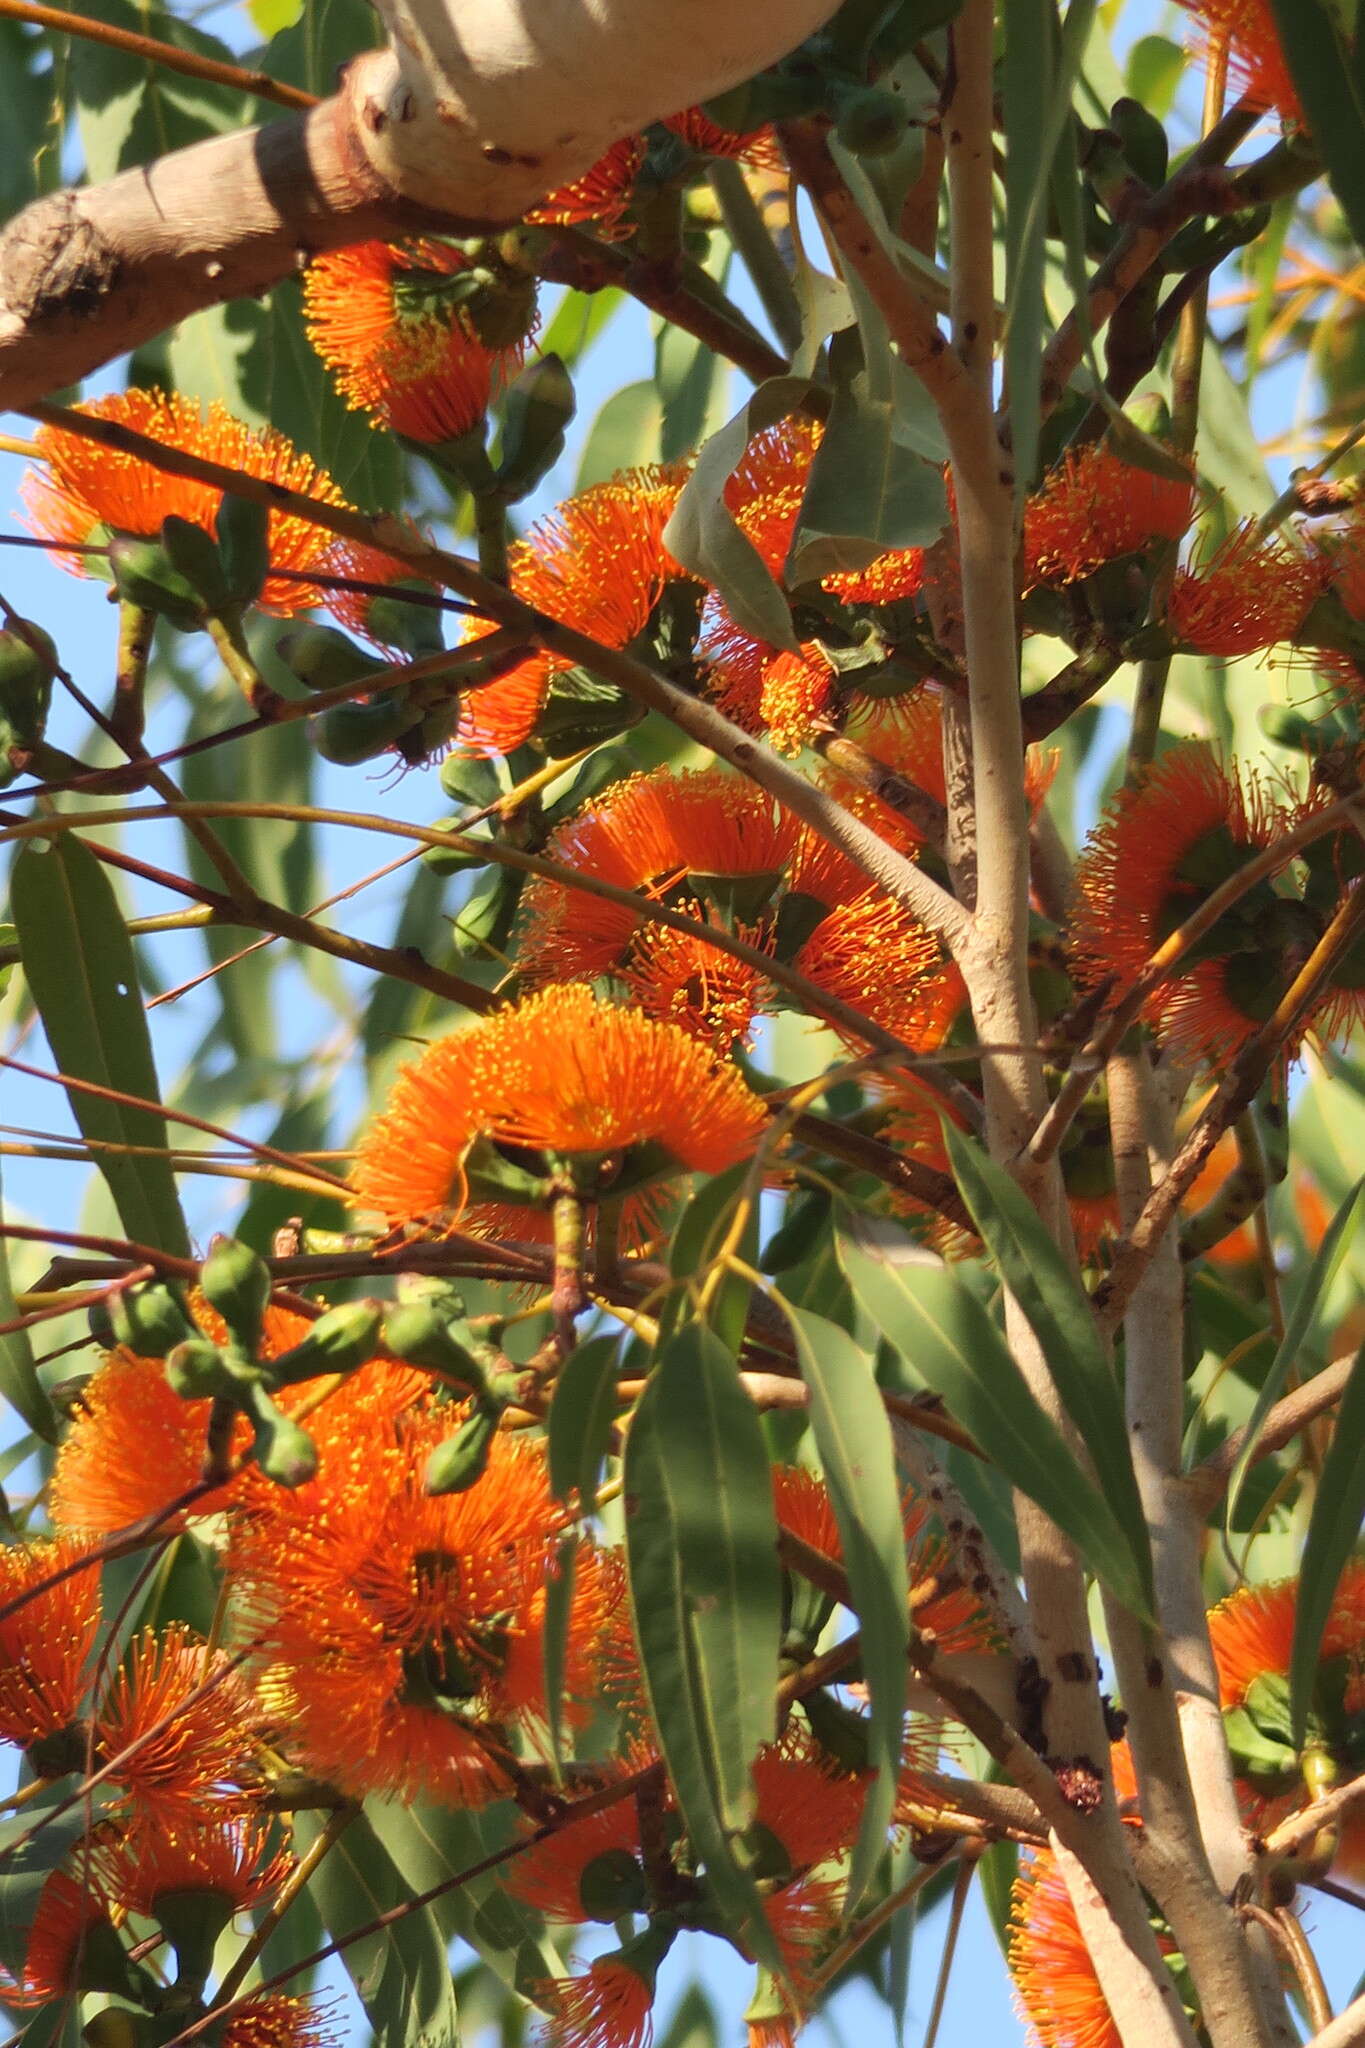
(19, 1381)
(866, 492)
(79, 962)
(1329, 85)
(559, 1586)
(130, 111)
(432, 1843)
(705, 1589)
(624, 434)
(1336, 1243)
(1061, 1318)
(853, 1438)
(1029, 82)
(702, 533)
(400, 1973)
(946, 1336)
(581, 1415)
(1333, 1533)
(701, 1231)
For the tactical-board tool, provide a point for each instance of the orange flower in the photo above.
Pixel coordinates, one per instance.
(601, 194)
(596, 563)
(70, 1918)
(610, 2004)
(893, 578)
(759, 148)
(682, 980)
(403, 1631)
(397, 326)
(807, 1804)
(275, 2021)
(873, 954)
(231, 1857)
(1055, 1985)
(1164, 844)
(1247, 595)
(1093, 508)
(1252, 1633)
(45, 1645)
(134, 1445)
(559, 1073)
(603, 1849)
(82, 492)
(1257, 70)
(649, 832)
(203, 1740)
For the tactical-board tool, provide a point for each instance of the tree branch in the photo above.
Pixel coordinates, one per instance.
(482, 108)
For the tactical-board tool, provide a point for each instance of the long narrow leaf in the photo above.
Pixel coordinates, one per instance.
(1333, 1533)
(1062, 1320)
(705, 1592)
(854, 1440)
(79, 962)
(1335, 1244)
(19, 1382)
(945, 1335)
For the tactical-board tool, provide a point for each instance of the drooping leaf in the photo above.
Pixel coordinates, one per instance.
(1333, 1534)
(704, 536)
(19, 1382)
(858, 1459)
(1062, 1320)
(697, 1241)
(946, 1336)
(1329, 82)
(866, 492)
(705, 1589)
(78, 959)
(581, 1415)
(130, 111)
(400, 1973)
(1336, 1243)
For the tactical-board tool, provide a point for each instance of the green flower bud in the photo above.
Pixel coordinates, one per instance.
(237, 1284)
(612, 1884)
(419, 1333)
(536, 412)
(197, 1369)
(149, 1320)
(339, 1341)
(28, 662)
(284, 1452)
(459, 1463)
(870, 122)
(350, 733)
(322, 658)
(145, 575)
(243, 529)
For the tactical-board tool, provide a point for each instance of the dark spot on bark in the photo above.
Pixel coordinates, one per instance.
(1007, 479)
(955, 136)
(981, 1584)
(1080, 1784)
(937, 344)
(494, 154)
(1156, 1673)
(970, 330)
(956, 1526)
(374, 117)
(1075, 1667)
